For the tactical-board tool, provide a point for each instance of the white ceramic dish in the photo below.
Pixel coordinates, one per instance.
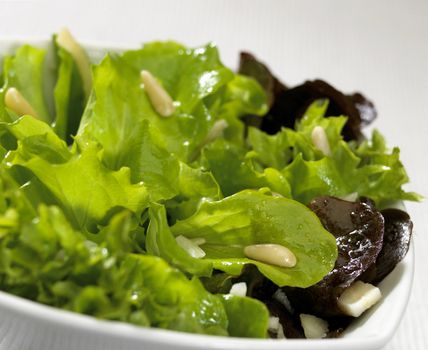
(26, 325)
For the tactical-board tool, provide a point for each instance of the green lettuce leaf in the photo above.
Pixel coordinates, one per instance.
(250, 217)
(241, 96)
(176, 303)
(189, 75)
(369, 169)
(381, 174)
(271, 150)
(122, 120)
(4, 114)
(247, 317)
(69, 96)
(25, 72)
(194, 186)
(234, 170)
(310, 179)
(48, 261)
(92, 200)
(161, 242)
(121, 104)
(196, 80)
(86, 190)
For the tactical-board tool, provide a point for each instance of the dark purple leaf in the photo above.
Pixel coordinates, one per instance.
(289, 104)
(396, 242)
(359, 230)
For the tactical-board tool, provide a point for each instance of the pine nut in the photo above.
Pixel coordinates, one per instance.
(14, 100)
(199, 241)
(191, 248)
(273, 254)
(65, 40)
(216, 131)
(159, 97)
(320, 140)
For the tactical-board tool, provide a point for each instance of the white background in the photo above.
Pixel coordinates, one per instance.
(377, 47)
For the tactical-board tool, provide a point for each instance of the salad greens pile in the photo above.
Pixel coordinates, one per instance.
(96, 186)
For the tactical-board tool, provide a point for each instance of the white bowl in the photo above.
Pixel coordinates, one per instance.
(28, 325)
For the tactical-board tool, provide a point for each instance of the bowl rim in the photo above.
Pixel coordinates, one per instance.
(37, 312)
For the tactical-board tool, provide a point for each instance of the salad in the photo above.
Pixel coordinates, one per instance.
(160, 188)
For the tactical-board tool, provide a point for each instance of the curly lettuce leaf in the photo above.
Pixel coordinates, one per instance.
(153, 165)
(161, 242)
(241, 96)
(381, 173)
(234, 170)
(194, 186)
(176, 303)
(369, 169)
(52, 263)
(25, 72)
(189, 75)
(195, 79)
(120, 116)
(86, 190)
(121, 104)
(250, 217)
(310, 179)
(271, 150)
(4, 114)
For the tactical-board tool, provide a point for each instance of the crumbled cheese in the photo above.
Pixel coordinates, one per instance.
(280, 334)
(239, 289)
(313, 327)
(273, 324)
(280, 296)
(358, 298)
